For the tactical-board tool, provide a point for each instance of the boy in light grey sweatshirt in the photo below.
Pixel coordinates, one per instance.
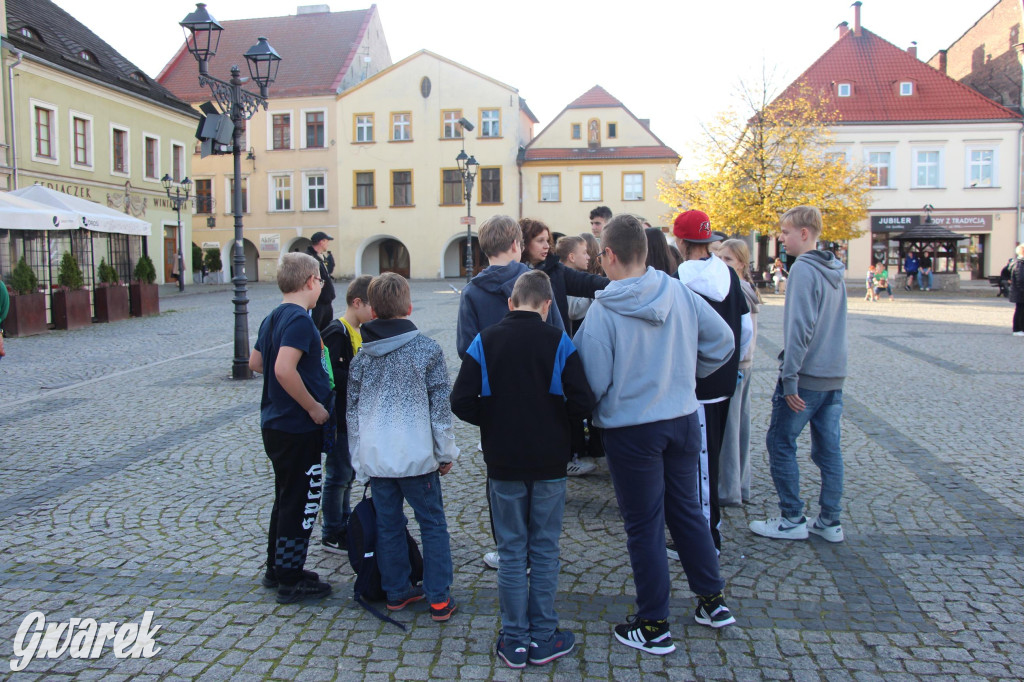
(810, 386)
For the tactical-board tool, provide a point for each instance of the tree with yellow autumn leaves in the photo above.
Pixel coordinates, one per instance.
(770, 154)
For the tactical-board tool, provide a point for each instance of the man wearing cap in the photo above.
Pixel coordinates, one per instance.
(323, 312)
(710, 278)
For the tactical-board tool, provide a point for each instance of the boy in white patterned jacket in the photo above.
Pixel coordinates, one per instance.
(401, 439)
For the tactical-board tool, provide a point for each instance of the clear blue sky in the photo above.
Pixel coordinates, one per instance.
(675, 63)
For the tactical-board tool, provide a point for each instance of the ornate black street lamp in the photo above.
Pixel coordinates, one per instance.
(468, 167)
(178, 200)
(202, 37)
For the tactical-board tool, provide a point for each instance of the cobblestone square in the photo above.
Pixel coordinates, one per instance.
(134, 480)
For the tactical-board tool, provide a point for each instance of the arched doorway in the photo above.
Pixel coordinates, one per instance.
(298, 245)
(252, 259)
(382, 253)
(453, 260)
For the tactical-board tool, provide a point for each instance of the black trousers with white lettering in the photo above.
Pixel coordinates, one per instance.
(297, 489)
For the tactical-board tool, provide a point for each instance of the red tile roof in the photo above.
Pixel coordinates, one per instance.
(584, 154)
(316, 50)
(875, 67)
(593, 98)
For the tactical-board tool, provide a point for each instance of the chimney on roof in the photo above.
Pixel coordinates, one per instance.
(856, 18)
(844, 28)
(942, 61)
(912, 50)
(312, 9)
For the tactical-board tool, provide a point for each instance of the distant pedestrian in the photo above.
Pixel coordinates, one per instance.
(296, 393)
(869, 284)
(779, 274)
(523, 371)
(323, 312)
(925, 270)
(5, 307)
(1017, 291)
(882, 283)
(911, 265)
(810, 385)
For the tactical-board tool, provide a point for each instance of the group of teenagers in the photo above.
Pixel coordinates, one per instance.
(658, 365)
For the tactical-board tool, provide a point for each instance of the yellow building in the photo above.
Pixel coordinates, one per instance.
(399, 180)
(292, 151)
(83, 120)
(595, 153)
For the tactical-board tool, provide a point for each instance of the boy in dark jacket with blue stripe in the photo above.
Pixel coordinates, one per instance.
(520, 381)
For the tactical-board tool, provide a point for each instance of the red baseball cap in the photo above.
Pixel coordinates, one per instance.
(695, 226)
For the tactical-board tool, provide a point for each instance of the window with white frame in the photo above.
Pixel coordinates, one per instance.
(316, 133)
(44, 132)
(928, 168)
(451, 130)
(81, 140)
(281, 131)
(177, 161)
(281, 192)
(632, 186)
(879, 163)
(119, 151)
(401, 127)
(314, 191)
(906, 89)
(590, 187)
(981, 167)
(364, 128)
(551, 187)
(151, 157)
(844, 89)
(490, 123)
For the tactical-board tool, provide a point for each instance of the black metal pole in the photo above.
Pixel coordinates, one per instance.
(240, 365)
(467, 181)
(181, 250)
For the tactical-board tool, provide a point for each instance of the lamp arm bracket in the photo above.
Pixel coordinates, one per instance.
(223, 91)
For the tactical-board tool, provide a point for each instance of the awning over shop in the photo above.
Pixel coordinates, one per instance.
(89, 214)
(19, 213)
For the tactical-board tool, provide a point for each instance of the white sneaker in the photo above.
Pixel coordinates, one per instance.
(1018, 333)
(492, 560)
(781, 528)
(830, 533)
(579, 467)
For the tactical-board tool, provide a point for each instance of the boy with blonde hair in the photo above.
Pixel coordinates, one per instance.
(296, 388)
(810, 386)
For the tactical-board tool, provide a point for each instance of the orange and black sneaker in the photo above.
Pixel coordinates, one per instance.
(443, 611)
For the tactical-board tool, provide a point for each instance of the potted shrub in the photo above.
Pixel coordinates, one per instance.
(28, 305)
(69, 303)
(144, 294)
(110, 298)
(213, 265)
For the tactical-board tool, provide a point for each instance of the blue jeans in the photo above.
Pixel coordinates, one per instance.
(921, 274)
(824, 410)
(527, 518)
(654, 471)
(423, 493)
(338, 477)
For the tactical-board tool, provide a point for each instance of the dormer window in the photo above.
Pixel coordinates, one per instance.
(844, 89)
(87, 56)
(906, 89)
(137, 76)
(29, 33)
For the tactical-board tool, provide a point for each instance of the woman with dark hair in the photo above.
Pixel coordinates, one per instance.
(658, 255)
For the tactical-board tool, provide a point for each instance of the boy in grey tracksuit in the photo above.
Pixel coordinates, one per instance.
(810, 386)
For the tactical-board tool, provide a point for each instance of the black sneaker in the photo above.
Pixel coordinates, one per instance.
(652, 636)
(307, 588)
(335, 544)
(514, 654)
(443, 612)
(671, 551)
(713, 612)
(414, 595)
(270, 577)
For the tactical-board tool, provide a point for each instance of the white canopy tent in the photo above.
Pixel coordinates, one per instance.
(19, 213)
(89, 214)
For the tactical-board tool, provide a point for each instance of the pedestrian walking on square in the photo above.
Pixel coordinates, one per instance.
(648, 411)
(1017, 291)
(323, 311)
(810, 386)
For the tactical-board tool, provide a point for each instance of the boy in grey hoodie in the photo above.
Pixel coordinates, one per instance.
(648, 410)
(810, 386)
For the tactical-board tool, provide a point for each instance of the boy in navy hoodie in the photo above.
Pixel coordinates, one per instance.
(812, 369)
(524, 371)
(648, 410)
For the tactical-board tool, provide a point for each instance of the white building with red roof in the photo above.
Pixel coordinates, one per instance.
(595, 153)
(927, 139)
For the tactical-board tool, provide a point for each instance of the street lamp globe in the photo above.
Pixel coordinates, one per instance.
(166, 182)
(461, 160)
(202, 35)
(264, 62)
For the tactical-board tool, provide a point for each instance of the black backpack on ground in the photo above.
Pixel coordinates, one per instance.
(362, 555)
